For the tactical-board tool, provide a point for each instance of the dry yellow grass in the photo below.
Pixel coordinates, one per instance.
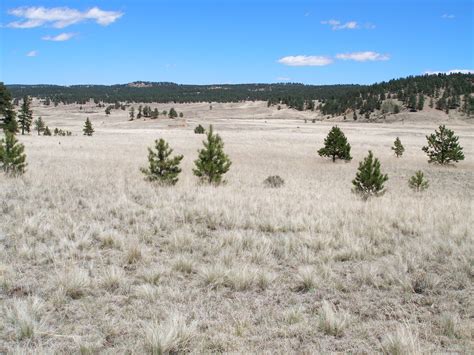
(93, 258)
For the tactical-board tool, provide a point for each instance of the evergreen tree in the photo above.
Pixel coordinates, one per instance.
(139, 114)
(26, 115)
(369, 180)
(417, 182)
(47, 131)
(132, 113)
(12, 157)
(88, 130)
(396, 109)
(162, 168)
(199, 129)
(421, 102)
(443, 147)
(107, 110)
(354, 116)
(155, 114)
(431, 104)
(39, 125)
(336, 146)
(212, 162)
(173, 113)
(181, 115)
(7, 113)
(412, 102)
(398, 147)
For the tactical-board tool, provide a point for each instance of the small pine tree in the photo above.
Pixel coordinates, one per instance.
(421, 102)
(212, 162)
(26, 115)
(199, 129)
(39, 125)
(12, 156)
(369, 180)
(398, 148)
(162, 168)
(132, 113)
(443, 147)
(107, 110)
(88, 130)
(336, 146)
(354, 116)
(173, 113)
(417, 182)
(139, 114)
(396, 109)
(47, 131)
(181, 115)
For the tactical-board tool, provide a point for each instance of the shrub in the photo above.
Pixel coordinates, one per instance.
(162, 168)
(274, 181)
(369, 180)
(417, 182)
(443, 147)
(336, 146)
(331, 321)
(212, 162)
(199, 130)
(12, 157)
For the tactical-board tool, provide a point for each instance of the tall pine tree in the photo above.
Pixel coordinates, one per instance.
(336, 146)
(7, 113)
(26, 115)
(212, 162)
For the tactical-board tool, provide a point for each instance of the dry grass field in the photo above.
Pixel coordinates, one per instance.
(93, 259)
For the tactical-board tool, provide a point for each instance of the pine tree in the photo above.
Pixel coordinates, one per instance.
(354, 116)
(421, 102)
(212, 162)
(47, 131)
(443, 147)
(396, 109)
(107, 110)
(7, 113)
(369, 180)
(398, 148)
(139, 114)
(132, 113)
(417, 182)
(173, 113)
(12, 157)
(336, 146)
(39, 125)
(199, 129)
(162, 168)
(26, 115)
(88, 130)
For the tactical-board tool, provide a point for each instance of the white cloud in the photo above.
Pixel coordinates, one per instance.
(448, 16)
(452, 71)
(305, 60)
(283, 78)
(337, 25)
(32, 54)
(363, 56)
(59, 38)
(60, 17)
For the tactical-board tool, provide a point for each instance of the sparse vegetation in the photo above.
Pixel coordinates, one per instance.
(274, 181)
(199, 129)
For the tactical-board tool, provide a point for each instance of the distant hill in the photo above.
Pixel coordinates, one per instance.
(413, 93)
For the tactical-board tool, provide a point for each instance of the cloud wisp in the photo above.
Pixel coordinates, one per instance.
(338, 25)
(59, 38)
(448, 16)
(305, 61)
(60, 17)
(32, 54)
(363, 56)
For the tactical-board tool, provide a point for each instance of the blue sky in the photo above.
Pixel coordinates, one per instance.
(230, 41)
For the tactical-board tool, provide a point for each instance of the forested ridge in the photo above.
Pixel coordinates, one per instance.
(413, 93)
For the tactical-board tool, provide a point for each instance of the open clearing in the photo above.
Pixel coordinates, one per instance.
(95, 259)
